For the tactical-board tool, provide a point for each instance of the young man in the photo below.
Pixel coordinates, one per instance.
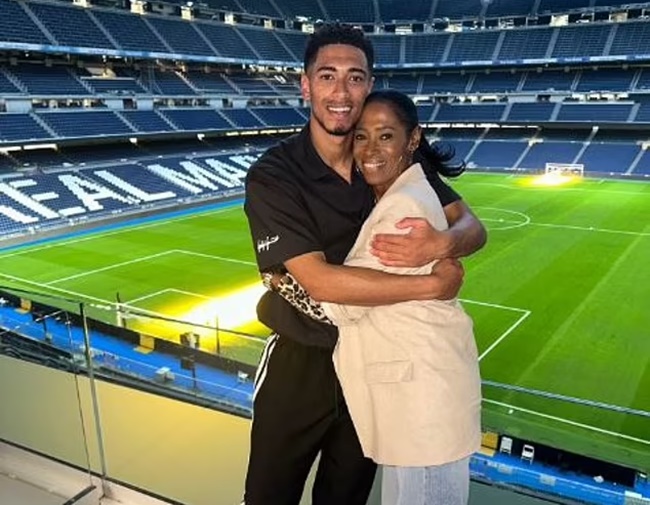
(305, 206)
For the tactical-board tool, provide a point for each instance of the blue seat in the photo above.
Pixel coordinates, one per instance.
(16, 127)
(531, 112)
(280, 116)
(267, 45)
(84, 123)
(17, 26)
(497, 154)
(130, 32)
(71, 25)
(147, 121)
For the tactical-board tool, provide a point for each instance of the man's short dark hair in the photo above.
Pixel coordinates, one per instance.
(337, 33)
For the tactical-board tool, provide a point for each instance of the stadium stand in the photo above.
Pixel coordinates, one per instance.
(260, 7)
(85, 123)
(477, 46)
(414, 10)
(114, 86)
(531, 112)
(602, 113)
(581, 41)
(497, 154)
(552, 80)
(21, 127)
(267, 45)
(17, 26)
(189, 91)
(196, 119)
(182, 37)
(146, 121)
(70, 26)
(458, 9)
(227, 41)
(108, 112)
(555, 152)
(299, 8)
(407, 83)
(608, 158)
(606, 80)
(359, 11)
(425, 112)
(525, 44)
(631, 39)
(242, 118)
(470, 113)
(44, 80)
(130, 32)
(387, 49)
(99, 191)
(496, 82)
(499, 8)
(280, 116)
(445, 83)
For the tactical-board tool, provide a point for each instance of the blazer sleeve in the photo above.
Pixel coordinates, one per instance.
(386, 214)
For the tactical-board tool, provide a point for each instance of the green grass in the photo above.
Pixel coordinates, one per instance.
(559, 297)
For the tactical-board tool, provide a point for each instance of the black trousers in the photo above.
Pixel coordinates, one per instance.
(299, 412)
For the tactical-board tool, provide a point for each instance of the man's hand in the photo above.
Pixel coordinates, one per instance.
(450, 274)
(422, 243)
(419, 246)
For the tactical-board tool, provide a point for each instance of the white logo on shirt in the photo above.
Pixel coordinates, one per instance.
(263, 245)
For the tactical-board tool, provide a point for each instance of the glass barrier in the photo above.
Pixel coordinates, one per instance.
(109, 412)
(589, 428)
(40, 407)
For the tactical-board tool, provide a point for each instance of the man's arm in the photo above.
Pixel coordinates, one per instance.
(466, 233)
(366, 287)
(423, 243)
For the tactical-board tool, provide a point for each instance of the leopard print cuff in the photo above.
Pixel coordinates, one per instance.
(291, 290)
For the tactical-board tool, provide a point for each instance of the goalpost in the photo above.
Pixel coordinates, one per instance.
(564, 169)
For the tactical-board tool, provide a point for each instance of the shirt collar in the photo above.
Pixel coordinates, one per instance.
(315, 167)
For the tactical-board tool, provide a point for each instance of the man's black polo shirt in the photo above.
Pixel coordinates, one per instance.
(296, 204)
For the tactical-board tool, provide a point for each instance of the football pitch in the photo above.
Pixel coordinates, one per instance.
(560, 298)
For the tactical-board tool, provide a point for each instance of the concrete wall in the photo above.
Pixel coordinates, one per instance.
(172, 449)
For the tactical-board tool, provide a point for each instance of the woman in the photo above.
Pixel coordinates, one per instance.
(409, 371)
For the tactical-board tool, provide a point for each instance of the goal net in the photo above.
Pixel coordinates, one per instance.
(565, 169)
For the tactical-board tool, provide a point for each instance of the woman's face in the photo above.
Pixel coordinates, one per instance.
(382, 146)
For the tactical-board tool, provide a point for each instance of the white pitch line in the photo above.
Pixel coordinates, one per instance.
(220, 258)
(505, 334)
(494, 305)
(491, 220)
(494, 344)
(566, 421)
(528, 221)
(123, 229)
(109, 267)
(189, 293)
(163, 291)
(150, 295)
(60, 290)
(590, 228)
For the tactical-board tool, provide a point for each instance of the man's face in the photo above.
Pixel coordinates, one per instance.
(336, 84)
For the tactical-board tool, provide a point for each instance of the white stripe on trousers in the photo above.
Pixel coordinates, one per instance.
(263, 367)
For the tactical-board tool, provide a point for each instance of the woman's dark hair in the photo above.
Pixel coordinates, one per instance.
(336, 33)
(432, 158)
